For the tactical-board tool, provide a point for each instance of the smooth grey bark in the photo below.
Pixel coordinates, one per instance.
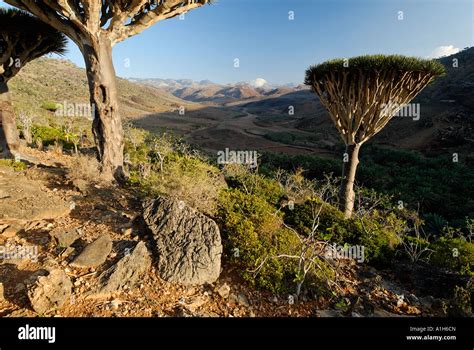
(346, 192)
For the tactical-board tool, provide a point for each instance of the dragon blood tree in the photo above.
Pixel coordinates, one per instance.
(23, 38)
(96, 26)
(361, 95)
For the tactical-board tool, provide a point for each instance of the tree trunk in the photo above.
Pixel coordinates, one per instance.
(9, 139)
(346, 192)
(107, 124)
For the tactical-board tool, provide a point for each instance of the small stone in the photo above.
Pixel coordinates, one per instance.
(65, 253)
(224, 291)
(383, 313)
(115, 304)
(127, 231)
(195, 303)
(95, 253)
(3, 227)
(64, 238)
(240, 299)
(400, 302)
(51, 263)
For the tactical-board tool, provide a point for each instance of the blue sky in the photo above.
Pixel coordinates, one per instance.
(270, 46)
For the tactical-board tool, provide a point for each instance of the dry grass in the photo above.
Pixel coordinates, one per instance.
(84, 167)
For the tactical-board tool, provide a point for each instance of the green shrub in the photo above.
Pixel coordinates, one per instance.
(283, 137)
(50, 106)
(180, 174)
(434, 223)
(268, 189)
(47, 134)
(461, 305)
(253, 235)
(16, 166)
(378, 233)
(255, 238)
(454, 253)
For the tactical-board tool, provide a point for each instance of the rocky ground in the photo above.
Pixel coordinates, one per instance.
(72, 246)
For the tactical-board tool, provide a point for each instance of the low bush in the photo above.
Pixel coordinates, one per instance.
(50, 106)
(159, 166)
(265, 250)
(454, 253)
(16, 166)
(378, 233)
(461, 303)
(268, 189)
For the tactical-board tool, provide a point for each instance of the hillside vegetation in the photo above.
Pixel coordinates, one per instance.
(52, 81)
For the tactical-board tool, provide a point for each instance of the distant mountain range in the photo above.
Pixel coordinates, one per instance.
(205, 91)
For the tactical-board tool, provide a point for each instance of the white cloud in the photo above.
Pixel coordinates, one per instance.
(442, 51)
(259, 82)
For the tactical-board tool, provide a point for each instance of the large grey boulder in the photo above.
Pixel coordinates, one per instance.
(188, 244)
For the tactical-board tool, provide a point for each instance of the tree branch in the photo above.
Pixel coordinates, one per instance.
(120, 31)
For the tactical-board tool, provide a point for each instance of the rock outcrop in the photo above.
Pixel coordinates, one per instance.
(187, 244)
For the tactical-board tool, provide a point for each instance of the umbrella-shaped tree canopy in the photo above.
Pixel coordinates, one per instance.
(361, 95)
